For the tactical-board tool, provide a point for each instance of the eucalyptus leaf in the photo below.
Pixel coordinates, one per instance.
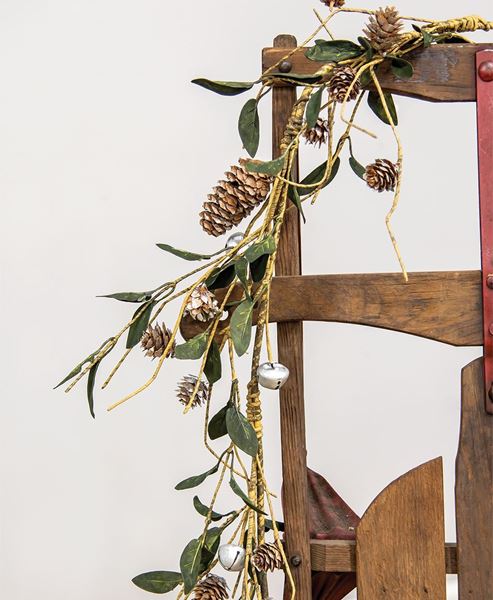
(357, 167)
(271, 167)
(76, 370)
(375, 103)
(213, 367)
(139, 326)
(258, 268)
(365, 78)
(212, 537)
(221, 277)
(129, 296)
(267, 245)
(240, 493)
(316, 176)
(401, 68)
(217, 425)
(241, 269)
(158, 582)
(313, 108)
(185, 254)
(334, 51)
(297, 77)
(225, 88)
(249, 127)
(203, 510)
(369, 51)
(427, 38)
(241, 431)
(241, 326)
(294, 196)
(196, 480)
(194, 348)
(91, 380)
(190, 564)
(269, 525)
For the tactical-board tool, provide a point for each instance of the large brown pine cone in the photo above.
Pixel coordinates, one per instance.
(340, 82)
(382, 175)
(155, 340)
(384, 29)
(233, 199)
(318, 134)
(202, 304)
(267, 557)
(212, 587)
(185, 390)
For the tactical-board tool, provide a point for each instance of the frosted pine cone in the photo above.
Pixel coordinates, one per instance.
(155, 340)
(340, 82)
(382, 175)
(185, 390)
(202, 304)
(267, 557)
(384, 29)
(318, 134)
(212, 587)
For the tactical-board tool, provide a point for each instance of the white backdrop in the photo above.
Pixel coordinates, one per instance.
(105, 149)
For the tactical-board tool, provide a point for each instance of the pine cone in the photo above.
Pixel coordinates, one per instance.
(155, 340)
(202, 304)
(340, 82)
(212, 587)
(233, 199)
(185, 390)
(382, 175)
(334, 3)
(384, 29)
(267, 557)
(318, 134)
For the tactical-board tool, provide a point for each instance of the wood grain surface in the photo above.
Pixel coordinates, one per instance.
(400, 546)
(474, 489)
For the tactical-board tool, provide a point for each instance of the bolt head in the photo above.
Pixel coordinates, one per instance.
(285, 66)
(489, 281)
(296, 560)
(485, 70)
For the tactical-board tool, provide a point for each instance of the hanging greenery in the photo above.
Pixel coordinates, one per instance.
(236, 280)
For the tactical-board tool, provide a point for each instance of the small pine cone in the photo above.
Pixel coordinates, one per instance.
(382, 175)
(185, 390)
(233, 199)
(267, 557)
(212, 587)
(340, 82)
(155, 340)
(318, 134)
(384, 29)
(202, 304)
(334, 3)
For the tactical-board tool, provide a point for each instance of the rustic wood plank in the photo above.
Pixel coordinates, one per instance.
(442, 306)
(339, 556)
(474, 489)
(290, 344)
(400, 546)
(442, 73)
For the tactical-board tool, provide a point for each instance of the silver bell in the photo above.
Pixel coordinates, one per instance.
(234, 240)
(231, 557)
(272, 375)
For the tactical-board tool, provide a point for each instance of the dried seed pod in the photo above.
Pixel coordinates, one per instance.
(382, 175)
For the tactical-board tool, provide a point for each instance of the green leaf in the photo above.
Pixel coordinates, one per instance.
(375, 103)
(313, 108)
(241, 269)
(368, 47)
(190, 564)
(249, 127)
(129, 296)
(357, 167)
(158, 582)
(401, 68)
(225, 88)
(271, 167)
(241, 432)
(258, 268)
(196, 480)
(427, 38)
(239, 492)
(217, 425)
(451, 38)
(267, 245)
(365, 78)
(212, 537)
(241, 326)
(193, 348)
(213, 367)
(138, 328)
(91, 380)
(221, 277)
(334, 51)
(185, 254)
(203, 510)
(76, 370)
(297, 77)
(316, 177)
(294, 196)
(269, 525)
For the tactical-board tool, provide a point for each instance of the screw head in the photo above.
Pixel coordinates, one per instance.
(296, 560)
(489, 281)
(485, 70)
(490, 329)
(285, 66)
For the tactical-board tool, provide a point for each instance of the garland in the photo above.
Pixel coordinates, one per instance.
(237, 280)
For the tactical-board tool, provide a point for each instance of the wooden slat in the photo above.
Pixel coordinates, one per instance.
(442, 306)
(400, 545)
(442, 73)
(290, 344)
(474, 489)
(339, 556)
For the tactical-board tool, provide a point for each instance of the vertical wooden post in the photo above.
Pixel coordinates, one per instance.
(290, 343)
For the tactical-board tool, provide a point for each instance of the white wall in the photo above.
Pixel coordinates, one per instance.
(105, 149)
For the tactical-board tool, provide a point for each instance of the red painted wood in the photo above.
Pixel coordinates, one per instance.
(485, 158)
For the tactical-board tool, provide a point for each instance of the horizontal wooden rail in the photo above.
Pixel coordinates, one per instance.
(442, 72)
(337, 556)
(443, 306)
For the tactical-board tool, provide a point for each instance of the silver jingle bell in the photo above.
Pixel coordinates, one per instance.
(231, 557)
(272, 375)
(234, 240)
